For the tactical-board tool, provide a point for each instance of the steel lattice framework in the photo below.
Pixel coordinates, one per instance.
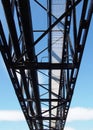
(43, 55)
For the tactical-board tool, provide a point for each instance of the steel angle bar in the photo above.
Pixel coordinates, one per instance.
(71, 47)
(43, 94)
(47, 118)
(44, 104)
(62, 103)
(49, 7)
(11, 25)
(51, 100)
(40, 5)
(51, 45)
(74, 25)
(45, 100)
(58, 96)
(45, 65)
(43, 74)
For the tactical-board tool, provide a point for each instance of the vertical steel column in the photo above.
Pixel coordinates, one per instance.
(74, 25)
(49, 52)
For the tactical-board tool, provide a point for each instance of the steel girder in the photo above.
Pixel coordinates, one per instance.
(43, 61)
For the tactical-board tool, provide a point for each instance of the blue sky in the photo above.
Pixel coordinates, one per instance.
(81, 112)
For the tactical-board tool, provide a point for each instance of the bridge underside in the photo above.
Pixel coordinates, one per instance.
(42, 51)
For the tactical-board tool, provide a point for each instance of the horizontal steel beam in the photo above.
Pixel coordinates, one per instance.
(46, 100)
(46, 118)
(52, 100)
(45, 65)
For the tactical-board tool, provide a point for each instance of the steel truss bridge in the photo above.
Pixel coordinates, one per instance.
(42, 51)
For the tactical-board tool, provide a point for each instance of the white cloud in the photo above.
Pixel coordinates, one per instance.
(11, 115)
(75, 114)
(68, 128)
(80, 114)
